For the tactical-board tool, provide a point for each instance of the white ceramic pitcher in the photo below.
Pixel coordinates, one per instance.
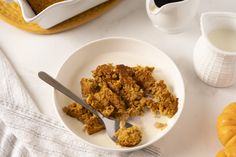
(172, 17)
(215, 63)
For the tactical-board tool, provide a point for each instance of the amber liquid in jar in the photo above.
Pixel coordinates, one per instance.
(160, 3)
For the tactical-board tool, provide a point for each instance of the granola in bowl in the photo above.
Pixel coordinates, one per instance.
(120, 91)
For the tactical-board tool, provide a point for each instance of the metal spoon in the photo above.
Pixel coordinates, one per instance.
(111, 125)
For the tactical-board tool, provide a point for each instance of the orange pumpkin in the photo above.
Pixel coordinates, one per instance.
(226, 129)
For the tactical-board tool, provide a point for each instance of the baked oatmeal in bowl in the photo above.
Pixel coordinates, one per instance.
(125, 79)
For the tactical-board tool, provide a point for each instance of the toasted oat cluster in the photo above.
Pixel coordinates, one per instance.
(91, 122)
(160, 125)
(128, 137)
(121, 91)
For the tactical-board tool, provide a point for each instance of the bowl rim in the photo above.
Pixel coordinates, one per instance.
(122, 149)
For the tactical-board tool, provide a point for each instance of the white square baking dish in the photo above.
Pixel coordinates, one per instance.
(57, 12)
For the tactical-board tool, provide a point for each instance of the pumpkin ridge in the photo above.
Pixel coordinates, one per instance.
(226, 130)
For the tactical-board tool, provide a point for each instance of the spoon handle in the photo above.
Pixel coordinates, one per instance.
(58, 86)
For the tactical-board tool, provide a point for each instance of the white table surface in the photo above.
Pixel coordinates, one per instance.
(194, 134)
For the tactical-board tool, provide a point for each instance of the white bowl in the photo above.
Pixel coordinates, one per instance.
(126, 51)
(57, 12)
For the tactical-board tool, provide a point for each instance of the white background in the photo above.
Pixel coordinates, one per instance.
(195, 133)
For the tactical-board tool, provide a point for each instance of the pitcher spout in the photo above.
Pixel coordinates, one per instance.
(157, 7)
